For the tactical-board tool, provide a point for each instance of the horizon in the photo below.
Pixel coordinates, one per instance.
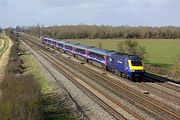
(74, 25)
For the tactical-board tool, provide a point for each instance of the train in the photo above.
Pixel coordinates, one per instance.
(122, 64)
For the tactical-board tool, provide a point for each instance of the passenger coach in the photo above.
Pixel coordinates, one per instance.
(98, 56)
(81, 51)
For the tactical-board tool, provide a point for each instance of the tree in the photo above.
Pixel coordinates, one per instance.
(132, 47)
(177, 65)
(104, 32)
(1, 29)
(99, 44)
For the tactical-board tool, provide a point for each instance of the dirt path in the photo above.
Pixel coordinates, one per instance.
(1, 43)
(5, 57)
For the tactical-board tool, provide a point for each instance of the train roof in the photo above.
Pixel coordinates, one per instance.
(130, 57)
(83, 46)
(54, 40)
(59, 41)
(100, 51)
(51, 39)
(134, 57)
(48, 38)
(71, 44)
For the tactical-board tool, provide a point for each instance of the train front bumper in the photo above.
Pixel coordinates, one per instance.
(136, 74)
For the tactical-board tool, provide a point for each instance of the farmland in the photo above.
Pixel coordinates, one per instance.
(161, 52)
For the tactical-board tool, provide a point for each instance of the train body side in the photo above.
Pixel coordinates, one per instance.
(82, 51)
(98, 55)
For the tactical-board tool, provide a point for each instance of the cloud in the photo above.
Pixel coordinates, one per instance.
(62, 3)
(153, 3)
(3, 3)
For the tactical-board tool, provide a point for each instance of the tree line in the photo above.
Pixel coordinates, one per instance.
(103, 32)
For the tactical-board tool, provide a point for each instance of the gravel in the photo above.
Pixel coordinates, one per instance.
(121, 100)
(85, 107)
(155, 95)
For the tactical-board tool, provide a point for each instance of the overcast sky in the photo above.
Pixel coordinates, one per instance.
(108, 12)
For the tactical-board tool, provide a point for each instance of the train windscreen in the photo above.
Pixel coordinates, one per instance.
(136, 63)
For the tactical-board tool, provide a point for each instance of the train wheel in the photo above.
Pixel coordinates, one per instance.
(121, 74)
(87, 60)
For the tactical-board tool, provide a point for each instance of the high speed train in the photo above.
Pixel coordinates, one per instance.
(130, 66)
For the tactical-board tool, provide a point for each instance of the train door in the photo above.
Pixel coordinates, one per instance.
(126, 65)
(110, 62)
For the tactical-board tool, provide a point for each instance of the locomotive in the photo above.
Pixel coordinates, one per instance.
(125, 65)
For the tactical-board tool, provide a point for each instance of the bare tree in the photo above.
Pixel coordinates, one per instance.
(132, 47)
(100, 44)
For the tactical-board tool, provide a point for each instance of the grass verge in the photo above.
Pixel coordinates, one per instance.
(51, 108)
(20, 93)
(26, 93)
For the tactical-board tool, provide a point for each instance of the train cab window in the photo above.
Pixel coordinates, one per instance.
(136, 63)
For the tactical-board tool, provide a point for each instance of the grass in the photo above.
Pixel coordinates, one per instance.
(162, 52)
(52, 109)
(33, 68)
(3, 45)
(0, 41)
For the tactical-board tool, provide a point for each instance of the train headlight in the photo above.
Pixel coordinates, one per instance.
(132, 70)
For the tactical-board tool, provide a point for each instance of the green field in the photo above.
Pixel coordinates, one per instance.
(161, 52)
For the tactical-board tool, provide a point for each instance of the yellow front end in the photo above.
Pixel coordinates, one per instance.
(138, 67)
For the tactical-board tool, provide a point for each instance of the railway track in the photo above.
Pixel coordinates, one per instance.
(173, 97)
(155, 87)
(108, 103)
(154, 105)
(162, 81)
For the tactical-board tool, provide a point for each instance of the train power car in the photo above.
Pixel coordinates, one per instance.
(130, 66)
(46, 41)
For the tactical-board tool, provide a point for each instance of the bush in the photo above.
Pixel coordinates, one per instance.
(176, 68)
(20, 98)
